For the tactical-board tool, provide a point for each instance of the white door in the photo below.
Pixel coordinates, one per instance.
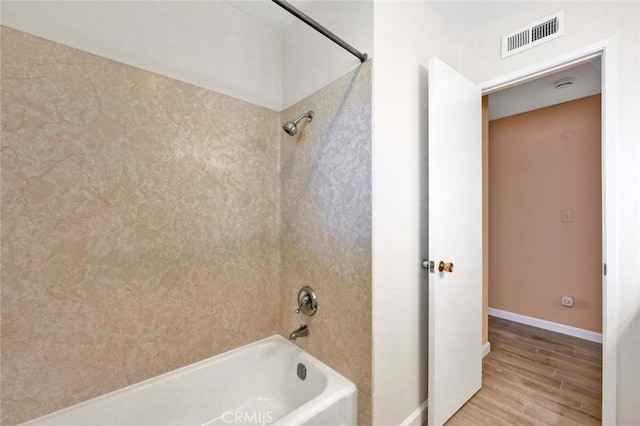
(455, 236)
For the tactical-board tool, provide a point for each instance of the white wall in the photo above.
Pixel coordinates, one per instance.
(406, 34)
(208, 44)
(586, 23)
(309, 60)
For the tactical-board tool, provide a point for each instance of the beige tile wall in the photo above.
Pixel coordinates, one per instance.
(144, 221)
(326, 227)
(139, 225)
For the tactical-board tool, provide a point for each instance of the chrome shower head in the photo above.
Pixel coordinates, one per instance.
(291, 127)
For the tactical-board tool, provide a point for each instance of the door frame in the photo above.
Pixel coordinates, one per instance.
(607, 50)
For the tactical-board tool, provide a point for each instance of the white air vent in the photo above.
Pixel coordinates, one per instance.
(533, 34)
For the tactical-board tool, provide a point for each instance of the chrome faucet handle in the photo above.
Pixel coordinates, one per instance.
(307, 301)
(303, 301)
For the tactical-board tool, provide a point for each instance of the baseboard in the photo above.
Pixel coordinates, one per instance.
(547, 325)
(486, 348)
(418, 417)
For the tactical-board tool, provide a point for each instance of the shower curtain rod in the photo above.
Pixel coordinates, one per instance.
(322, 30)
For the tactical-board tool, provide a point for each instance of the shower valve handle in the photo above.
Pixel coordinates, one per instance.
(305, 300)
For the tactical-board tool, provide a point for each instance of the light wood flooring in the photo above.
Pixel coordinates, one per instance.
(536, 377)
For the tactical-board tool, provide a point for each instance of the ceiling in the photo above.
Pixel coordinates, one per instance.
(541, 93)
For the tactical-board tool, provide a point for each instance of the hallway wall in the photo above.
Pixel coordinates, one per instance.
(544, 162)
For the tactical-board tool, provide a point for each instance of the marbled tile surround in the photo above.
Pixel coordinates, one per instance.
(139, 225)
(326, 227)
(148, 223)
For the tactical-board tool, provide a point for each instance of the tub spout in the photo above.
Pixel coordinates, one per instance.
(301, 331)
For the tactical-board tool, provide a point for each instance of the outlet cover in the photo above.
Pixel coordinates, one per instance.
(566, 301)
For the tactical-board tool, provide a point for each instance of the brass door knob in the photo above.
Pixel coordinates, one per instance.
(445, 267)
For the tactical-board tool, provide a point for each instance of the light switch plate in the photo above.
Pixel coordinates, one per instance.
(567, 216)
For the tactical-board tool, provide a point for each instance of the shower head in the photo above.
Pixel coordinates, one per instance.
(291, 127)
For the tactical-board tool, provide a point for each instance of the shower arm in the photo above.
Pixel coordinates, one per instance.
(322, 30)
(308, 115)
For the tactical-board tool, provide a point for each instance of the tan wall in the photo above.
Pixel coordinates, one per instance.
(139, 225)
(543, 162)
(326, 227)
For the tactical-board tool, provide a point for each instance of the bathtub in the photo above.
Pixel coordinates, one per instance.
(257, 384)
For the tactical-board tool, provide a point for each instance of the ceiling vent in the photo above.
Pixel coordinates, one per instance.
(533, 34)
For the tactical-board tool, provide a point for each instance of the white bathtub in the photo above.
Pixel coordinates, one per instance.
(256, 384)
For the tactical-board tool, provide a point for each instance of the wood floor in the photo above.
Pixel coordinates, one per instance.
(536, 377)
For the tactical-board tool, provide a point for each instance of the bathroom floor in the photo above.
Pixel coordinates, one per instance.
(535, 377)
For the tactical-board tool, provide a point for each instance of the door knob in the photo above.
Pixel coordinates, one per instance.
(445, 267)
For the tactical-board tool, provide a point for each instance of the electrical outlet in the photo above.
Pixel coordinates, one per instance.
(567, 301)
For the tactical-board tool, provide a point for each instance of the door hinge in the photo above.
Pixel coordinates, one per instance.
(428, 264)
(604, 269)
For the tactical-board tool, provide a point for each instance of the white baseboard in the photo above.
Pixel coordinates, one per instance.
(418, 417)
(486, 348)
(547, 325)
